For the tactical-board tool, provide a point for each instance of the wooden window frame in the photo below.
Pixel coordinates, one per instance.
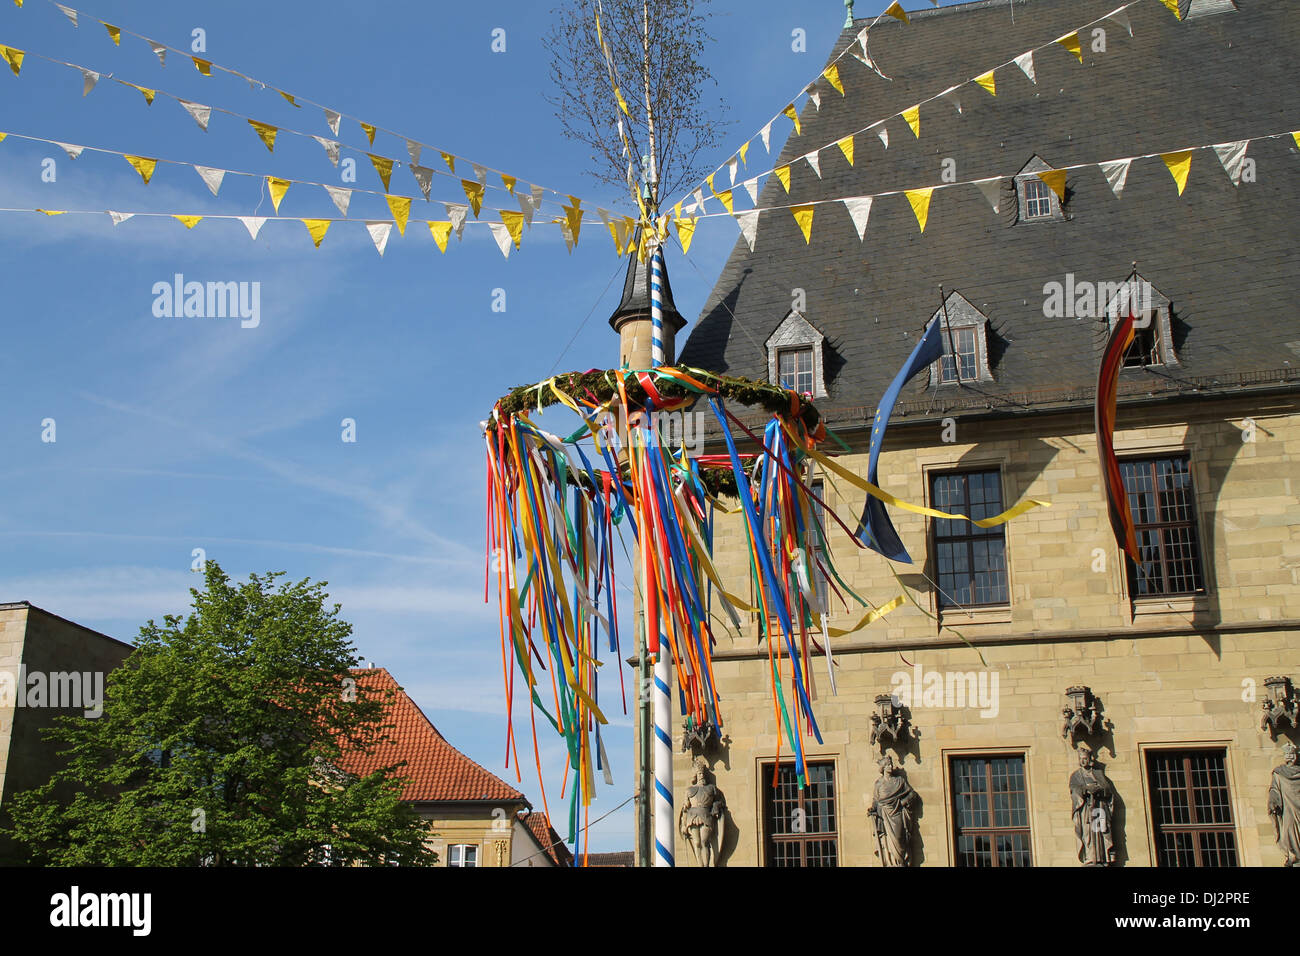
(969, 538)
(797, 350)
(1159, 527)
(768, 801)
(992, 831)
(1194, 827)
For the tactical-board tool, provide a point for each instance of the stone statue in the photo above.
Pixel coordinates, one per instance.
(894, 812)
(1284, 805)
(1093, 801)
(702, 816)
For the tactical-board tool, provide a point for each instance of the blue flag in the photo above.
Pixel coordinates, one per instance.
(875, 530)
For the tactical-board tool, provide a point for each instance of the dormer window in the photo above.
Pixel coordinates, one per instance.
(794, 356)
(964, 332)
(1036, 200)
(1153, 332)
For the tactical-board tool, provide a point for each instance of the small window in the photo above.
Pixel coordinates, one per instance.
(462, 854)
(1146, 349)
(1153, 331)
(971, 561)
(1163, 504)
(800, 824)
(1038, 199)
(966, 364)
(1191, 808)
(990, 809)
(795, 368)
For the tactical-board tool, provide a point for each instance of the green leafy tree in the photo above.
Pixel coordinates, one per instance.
(220, 744)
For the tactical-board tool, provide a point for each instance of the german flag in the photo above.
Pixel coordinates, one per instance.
(1121, 517)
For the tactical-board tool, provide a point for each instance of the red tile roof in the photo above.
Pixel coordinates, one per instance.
(437, 770)
(539, 825)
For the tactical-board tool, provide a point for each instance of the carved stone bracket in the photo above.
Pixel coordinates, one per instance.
(889, 724)
(1081, 715)
(1279, 707)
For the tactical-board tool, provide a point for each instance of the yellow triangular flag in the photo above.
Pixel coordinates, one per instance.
(147, 93)
(1296, 136)
(369, 131)
(846, 147)
(2, 137)
(383, 166)
(114, 32)
(474, 193)
(277, 187)
(783, 174)
(986, 80)
(52, 212)
(316, 228)
(203, 66)
(13, 57)
(142, 165)
(794, 117)
(1179, 165)
(832, 74)
(685, 232)
(573, 217)
(514, 224)
(897, 12)
(920, 200)
(401, 209)
(440, 230)
(289, 97)
(1055, 179)
(450, 160)
(1071, 42)
(913, 117)
(1172, 5)
(267, 133)
(510, 183)
(709, 180)
(189, 221)
(725, 197)
(744, 149)
(677, 210)
(803, 215)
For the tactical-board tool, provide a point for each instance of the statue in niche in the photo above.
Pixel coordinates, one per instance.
(1093, 800)
(894, 813)
(1284, 805)
(701, 818)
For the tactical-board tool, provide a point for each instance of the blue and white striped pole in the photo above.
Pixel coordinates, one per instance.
(664, 831)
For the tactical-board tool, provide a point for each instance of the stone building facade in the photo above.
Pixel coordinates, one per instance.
(1178, 653)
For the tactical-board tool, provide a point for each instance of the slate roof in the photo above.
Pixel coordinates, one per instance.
(438, 772)
(1225, 256)
(619, 858)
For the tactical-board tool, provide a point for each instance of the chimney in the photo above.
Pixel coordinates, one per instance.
(631, 320)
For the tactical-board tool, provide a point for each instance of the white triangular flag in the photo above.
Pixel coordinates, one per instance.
(119, 217)
(766, 133)
(331, 148)
(859, 209)
(88, 80)
(1232, 156)
(953, 97)
(424, 176)
(699, 200)
(252, 223)
(748, 222)
(814, 163)
(73, 151)
(480, 173)
(862, 40)
(332, 119)
(884, 136)
(69, 13)
(604, 215)
(751, 187)
(212, 177)
(1121, 17)
(992, 190)
(538, 192)
(732, 168)
(567, 233)
(200, 113)
(526, 207)
(379, 234)
(1116, 174)
(501, 233)
(342, 198)
(413, 150)
(815, 95)
(1026, 63)
(456, 213)
(159, 51)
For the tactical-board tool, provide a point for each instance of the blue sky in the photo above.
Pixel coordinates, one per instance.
(176, 434)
